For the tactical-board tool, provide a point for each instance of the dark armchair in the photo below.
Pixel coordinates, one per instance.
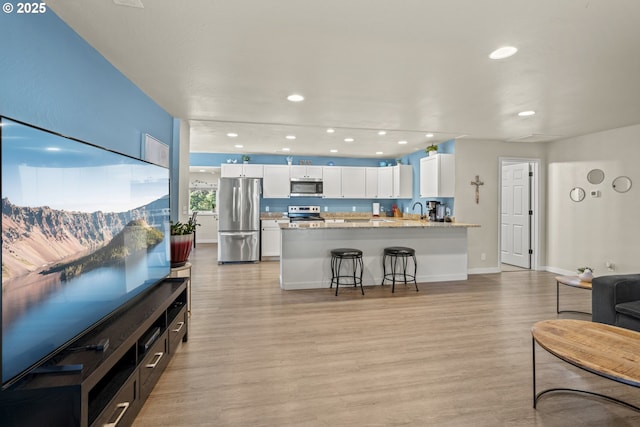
(616, 300)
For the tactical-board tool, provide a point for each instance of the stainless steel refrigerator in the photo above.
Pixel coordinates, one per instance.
(239, 219)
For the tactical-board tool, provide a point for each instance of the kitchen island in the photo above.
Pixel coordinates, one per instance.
(441, 249)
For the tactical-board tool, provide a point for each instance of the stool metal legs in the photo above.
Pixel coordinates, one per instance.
(336, 265)
(394, 270)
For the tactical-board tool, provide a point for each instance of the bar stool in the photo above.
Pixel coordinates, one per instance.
(394, 253)
(340, 254)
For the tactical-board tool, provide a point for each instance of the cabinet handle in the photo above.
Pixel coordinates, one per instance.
(154, 364)
(124, 406)
(180, 325)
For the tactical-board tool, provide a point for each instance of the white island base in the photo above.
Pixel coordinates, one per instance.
(441, 251)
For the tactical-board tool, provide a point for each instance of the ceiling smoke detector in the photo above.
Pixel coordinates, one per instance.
(130, 3)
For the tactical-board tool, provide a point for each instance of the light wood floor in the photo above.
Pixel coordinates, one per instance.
(454, 354)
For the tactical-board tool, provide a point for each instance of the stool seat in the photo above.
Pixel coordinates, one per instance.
(403, 253)
(346, 252)
(399, 250)
(353, 257)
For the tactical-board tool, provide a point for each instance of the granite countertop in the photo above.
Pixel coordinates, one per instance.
(338, 215)
(378, 223)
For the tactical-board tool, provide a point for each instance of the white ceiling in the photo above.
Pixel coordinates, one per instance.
(405, 66)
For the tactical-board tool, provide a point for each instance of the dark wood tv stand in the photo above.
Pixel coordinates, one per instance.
(86, 387)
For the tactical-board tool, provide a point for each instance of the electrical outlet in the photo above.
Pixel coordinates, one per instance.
(353, 208)
(266, 209)
(610, 266)
(326, 208)
(483, 256)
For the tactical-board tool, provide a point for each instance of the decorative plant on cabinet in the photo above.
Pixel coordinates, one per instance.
(182, 235)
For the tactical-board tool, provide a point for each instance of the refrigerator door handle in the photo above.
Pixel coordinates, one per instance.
(233, 205)
(236, 234)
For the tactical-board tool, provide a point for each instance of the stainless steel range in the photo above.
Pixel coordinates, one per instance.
(304, 214)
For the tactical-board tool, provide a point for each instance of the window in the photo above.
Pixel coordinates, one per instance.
(202, 199)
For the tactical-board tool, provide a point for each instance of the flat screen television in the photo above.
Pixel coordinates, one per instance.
(84, 231)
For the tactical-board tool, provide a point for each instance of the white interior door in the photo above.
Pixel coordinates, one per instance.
(515, 222)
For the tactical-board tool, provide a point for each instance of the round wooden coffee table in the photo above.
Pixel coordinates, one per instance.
(608, 351)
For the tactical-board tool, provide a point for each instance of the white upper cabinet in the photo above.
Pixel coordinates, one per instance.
(302, 171)
(437, 176)
(403, 182)
(371, 183)
(385, 183)
(241, 170)
(353, 182)
(276, 182)
(332, 182)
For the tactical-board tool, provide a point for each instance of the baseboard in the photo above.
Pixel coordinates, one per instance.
(486, 270)
(561, 271)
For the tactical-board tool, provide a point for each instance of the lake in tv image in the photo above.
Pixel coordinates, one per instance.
(84, 230)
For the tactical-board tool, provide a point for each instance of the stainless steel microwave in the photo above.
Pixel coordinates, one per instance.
(306, 187)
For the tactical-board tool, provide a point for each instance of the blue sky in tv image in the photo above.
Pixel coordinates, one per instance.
(41, 169)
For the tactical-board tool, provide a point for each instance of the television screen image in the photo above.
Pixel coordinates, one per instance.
(84, 230)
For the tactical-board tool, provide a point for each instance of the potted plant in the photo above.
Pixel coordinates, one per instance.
(585, 274)
(398, 161)
(182, 241)
(432, 149)
(245, 158)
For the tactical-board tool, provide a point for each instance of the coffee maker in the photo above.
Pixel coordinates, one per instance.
(436, 211)
(432, 206)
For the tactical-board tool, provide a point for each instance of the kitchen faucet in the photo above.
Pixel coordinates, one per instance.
(421, 209)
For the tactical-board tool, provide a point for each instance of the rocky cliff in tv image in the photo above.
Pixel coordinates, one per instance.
(37, 238)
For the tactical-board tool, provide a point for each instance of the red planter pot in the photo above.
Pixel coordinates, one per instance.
(180, 249)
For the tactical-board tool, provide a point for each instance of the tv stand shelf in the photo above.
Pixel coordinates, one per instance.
(104, 386)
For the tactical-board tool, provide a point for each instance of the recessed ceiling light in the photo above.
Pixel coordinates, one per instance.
(295, 97)
(333, 151)
(382, 132)
(202, 170)
(403, 142)
(526, 113)
(290, 137)
(349, 140)
(503, 52)
(238, 145)
(379, 152)
(286, 149)
(53, 149)
(429, 135)
(330, 130)
(232, 134)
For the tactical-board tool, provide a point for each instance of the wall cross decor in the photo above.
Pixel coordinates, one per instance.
(477, 183)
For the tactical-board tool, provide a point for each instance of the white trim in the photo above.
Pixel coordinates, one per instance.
(486, 270)
(535, 205)
(561, 271)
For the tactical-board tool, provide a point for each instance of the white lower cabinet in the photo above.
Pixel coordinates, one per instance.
(270, 239)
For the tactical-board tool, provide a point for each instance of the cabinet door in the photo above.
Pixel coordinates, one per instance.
(437, 176)
(276, 184)
(385, 183)
(403, 182)
(314, 172)
(231, 170)
(298, 171)
(371, 183)
(252, 171)
(353, 182)
(332, 182)
(271, 236)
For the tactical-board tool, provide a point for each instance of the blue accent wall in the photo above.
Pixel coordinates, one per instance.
(50, 77)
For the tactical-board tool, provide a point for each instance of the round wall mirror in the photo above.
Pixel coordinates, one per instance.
(622, 184)
(595, 176)
(577, 194)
